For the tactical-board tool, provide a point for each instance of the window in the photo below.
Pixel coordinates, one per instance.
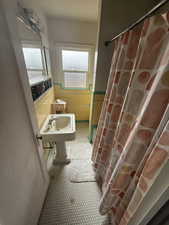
(75, 67)
(34, 64)
(33, 58)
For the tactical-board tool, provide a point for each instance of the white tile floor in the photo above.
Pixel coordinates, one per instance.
(73, 203)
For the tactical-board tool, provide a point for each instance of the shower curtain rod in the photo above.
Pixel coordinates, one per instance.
(159, 5)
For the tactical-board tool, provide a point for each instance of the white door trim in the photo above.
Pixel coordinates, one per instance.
(22, 73)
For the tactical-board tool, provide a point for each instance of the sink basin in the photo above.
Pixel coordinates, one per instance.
(59, 128)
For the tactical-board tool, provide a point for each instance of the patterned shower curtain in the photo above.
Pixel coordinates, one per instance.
(132, 141)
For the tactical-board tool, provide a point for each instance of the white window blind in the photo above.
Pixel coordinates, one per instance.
(75, 80)
(75, 66)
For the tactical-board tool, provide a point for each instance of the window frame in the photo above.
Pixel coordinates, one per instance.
(60, 71)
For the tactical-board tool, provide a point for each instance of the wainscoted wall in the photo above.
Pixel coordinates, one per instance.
(78, 101)
(43, 105)
(96, 106)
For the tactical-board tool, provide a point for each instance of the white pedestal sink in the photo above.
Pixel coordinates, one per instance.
(57, 129)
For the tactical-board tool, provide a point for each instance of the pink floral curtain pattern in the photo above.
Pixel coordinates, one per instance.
(132, 140)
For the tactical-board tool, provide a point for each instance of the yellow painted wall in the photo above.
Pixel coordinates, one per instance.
(96, 106)
(78, 101)
(43, 106)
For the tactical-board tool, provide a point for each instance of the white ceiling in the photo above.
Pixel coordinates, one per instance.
(86, 10)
